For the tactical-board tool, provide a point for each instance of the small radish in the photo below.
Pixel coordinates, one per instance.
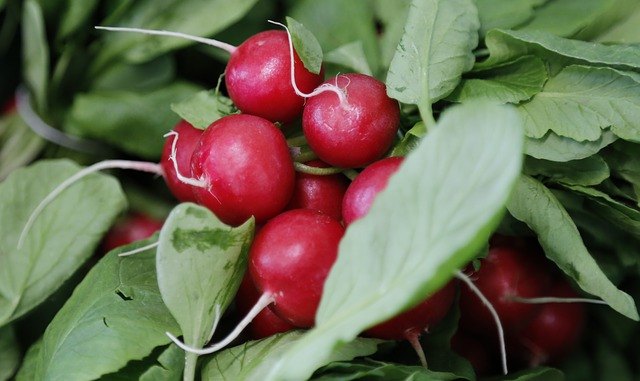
(506, 273)
(243, 168)
(366, 186)
(132, 228)
(555, 329)
(290, 259)
(187, 138)
(319, 192)
(353, 131)
(259, 73)
(266, 323)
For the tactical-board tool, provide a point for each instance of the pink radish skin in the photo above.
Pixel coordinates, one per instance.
(245, 164)
(258, 78)
(290, 259)
(366, 186)
(188, 137)
(357, 131)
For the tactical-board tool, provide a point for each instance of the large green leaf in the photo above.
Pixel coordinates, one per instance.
(510, 83)
(625, 32)
(146, 76)
(9, 352)
(27, 369)
(535, 205)
(589, 171)
(60, 240)
(239, 362)
(200, 263)
(434, 51)
(581, 101)
(35, 53)
(133, 121)
(558, 148)
(434, 216)
(115, 315)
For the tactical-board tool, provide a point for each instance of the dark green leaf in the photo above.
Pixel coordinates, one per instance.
(204, 108)
(535, 374)
(306, 45)
(63, 236)
(625, 162)
(435, 214)
(136, 77)
(133, 121)
(532, 203)
(115, 315)
(376, 370)
(434, 51)
(27, 371)
(589, 171)
(9, 353)
(35, 54)
(557, 148)
(164, 364)
(350, 56)
(76, 15)
(510, 83)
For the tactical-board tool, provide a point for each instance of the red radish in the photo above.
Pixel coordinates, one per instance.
(555, 329)
(186, 138)
(506, 273)
(366, 186)
(9, 107)
(130, 229)
(245, 169)
(258, 78)
(319, 192)
(474, 350)
(264, 324)
(353, 131)
(290, 259)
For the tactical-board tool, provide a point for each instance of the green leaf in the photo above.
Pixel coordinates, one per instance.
(625, 162)
(200, 263)
(115, 315)
(9, 352)
(306, 45)
(410, 141)
(434, 51)
(589, 171)
(132, 121)
(238, 363)
(350, 56)
(204, 108)
(60, 240)
(535, 374)
(338, 22)
(393, 16)
(624, 32)
(581, 101)
(377, 370)
(533, 204)
(509, 83)
(557, 148)
(35, 53)
(435, 214)
(507, 45)
(504, 14)
(27, 371)
(18, 144)
(76, 15)
(164, 364)
(136, 77)
(195, 17)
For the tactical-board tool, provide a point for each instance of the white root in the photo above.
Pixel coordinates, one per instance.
(139, 250)
(553, 299)
(198, 183)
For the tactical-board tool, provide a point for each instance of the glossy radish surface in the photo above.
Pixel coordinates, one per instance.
(130, 229)
(419, 318)
(319, 192)
(266, 323)
(258, 78)
(188, 137)
(366, 186)
(290, 259)
(245, 162)
(506, 272)
(354, 133)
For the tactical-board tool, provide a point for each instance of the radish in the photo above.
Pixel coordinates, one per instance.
(9, 107)
(319, 192)
(366, 186)
(266, 323)
(353, 131)
(242, 168)
(132, 228)
(290, 259)
(259, 76)
(176, 158)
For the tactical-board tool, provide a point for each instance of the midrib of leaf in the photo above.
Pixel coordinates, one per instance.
(425, 106)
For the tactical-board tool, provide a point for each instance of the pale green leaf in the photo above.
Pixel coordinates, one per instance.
(200, 262)
(18, 144)
(115, 315)
(504, 14)
(350, 56)
(557, 148)
(204, 108)
(435, 214)
(169, 367)
(581, 101)
(535, 205)
(624, 32)
(62, 238)
(35, 53)
(509, 83)
(306, 45)
(434, 51)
